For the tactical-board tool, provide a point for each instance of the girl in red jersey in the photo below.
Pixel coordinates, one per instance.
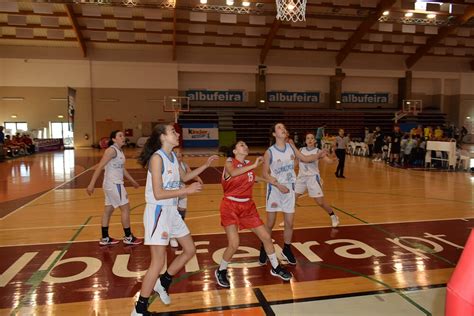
(238, 211)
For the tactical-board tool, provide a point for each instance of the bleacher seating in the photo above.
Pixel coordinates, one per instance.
(253, 125)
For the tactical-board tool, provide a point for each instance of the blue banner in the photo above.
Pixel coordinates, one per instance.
(354, 97)
(293, 97)
(215, 96)
(200, 135)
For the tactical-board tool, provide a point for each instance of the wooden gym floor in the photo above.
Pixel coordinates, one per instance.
(401, 234)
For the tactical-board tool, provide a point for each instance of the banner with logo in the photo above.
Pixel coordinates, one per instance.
(293, 97)
(355, 97)
(51, 144)
(215, 95)
(200, 135)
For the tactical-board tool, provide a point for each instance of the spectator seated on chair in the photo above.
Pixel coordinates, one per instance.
(10, 147)
(418, 152)
(18, 142)
(438, 133)
(26, 139)
(462, 159)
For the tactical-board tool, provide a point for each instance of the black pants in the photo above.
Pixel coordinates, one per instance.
(371, 150)
(319, 143)
(341, 155)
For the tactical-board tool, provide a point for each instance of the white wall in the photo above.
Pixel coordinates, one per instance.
(44, 73)
(370, 85)
(87, 74)
(467, 84)
(297, 83)
(426, 86)
(216, 81)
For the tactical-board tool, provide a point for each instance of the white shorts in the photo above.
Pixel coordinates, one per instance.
(115, 194)
(281, 202)
(311, 183)
(163, 222)
(183, 203)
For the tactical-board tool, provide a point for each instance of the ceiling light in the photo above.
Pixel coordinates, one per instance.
(108, 100)
(246, 3)
(60, 116)
(173, 100)
(230, 2)
(386, 13)
(408, 14)
(468, 117)
(262, 101)
(13, 98)
(291, 6)
(431, 16)
(14, 116)
(203, 1)
(338, 102)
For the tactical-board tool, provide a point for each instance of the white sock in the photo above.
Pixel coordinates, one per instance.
(273, 260)
(223, 265)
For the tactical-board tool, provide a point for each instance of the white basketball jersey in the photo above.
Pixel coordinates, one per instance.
(170, 178)
(282, 164)
(308, 168)
(114, 168)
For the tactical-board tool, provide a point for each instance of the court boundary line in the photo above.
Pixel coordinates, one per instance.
(263, 302)
(48, 191)
(347, 295)
(302, 300)
(217, 233)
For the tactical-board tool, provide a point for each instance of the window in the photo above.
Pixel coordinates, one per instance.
(15, 127)
(61, 130)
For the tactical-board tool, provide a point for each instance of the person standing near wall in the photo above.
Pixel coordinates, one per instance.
(369, 140)
(320, 135)
(340, 145)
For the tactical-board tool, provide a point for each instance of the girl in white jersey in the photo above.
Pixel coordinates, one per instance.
(113, 161)
(182, 200)
(279, 171)
(310, 179)
(161, 218)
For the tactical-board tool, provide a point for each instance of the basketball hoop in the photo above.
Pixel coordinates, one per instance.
(291, 10)
(176, 104)
(412, 106)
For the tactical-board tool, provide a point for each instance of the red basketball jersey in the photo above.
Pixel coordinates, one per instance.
(239, 186)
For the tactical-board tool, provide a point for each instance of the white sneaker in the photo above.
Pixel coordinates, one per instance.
(162, 292)
(334, 220)
(282, 224)
(174, 243)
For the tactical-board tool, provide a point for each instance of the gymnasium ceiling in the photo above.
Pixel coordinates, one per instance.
(339, 26)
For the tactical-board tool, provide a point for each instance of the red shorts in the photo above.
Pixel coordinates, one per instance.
(242, 214)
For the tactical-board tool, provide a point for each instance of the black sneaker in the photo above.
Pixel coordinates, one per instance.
(288, 256)
(262, 259)
(221, 278)
(281, 273)
(135, 313)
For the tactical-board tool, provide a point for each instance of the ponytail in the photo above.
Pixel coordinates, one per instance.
(152, 144)
(112, 136)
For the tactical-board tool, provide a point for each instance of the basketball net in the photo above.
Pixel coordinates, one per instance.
(291, 10)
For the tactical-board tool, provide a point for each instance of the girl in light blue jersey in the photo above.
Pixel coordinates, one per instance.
(161, 218)
(279, 171)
